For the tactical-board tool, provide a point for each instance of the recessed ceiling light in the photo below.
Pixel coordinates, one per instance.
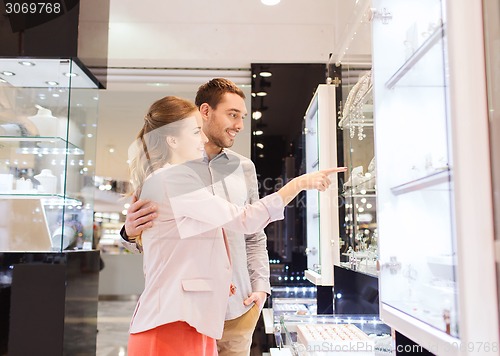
(52, 83)
(256, 115)
(265, 74)
(261, 93)
(270, 2)
(7, 73)
(157, 84)
(260, 145)
(27, 64)
(69, 74)
(3, 80)
(258, 132)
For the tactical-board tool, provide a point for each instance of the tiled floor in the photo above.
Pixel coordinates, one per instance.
(113, 319)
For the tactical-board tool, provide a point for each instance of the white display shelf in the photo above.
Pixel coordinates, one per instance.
(415, 58)
(46, 199)
(428, 181)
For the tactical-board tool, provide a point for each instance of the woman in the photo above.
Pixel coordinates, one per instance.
(186, 261)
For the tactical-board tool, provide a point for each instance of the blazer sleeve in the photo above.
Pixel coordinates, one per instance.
(196, 210)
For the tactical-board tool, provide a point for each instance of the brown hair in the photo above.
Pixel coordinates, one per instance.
(213, 91)
(150, 150)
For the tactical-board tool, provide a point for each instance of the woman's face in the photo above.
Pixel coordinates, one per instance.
(190, 143)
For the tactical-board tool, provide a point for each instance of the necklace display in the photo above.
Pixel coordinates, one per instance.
(352, 115)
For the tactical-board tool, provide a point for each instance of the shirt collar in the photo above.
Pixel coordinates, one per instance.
(222, 153)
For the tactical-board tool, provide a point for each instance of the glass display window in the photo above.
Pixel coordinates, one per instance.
(322, 219)
(433, 174)
(48, 126)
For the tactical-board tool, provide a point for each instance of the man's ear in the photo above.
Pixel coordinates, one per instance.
(204, 110)
(171, 141)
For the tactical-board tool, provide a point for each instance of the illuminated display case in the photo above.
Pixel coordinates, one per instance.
(358, 225)
(359, 251)
(323, 335)
(48, 115)
(433, 174)
(322, 217)
(48, 125)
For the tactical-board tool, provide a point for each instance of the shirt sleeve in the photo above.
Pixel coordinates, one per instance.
(131, 246)
(256, 244)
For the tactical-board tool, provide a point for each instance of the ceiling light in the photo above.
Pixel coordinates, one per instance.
(157, 84)
(256, 115)
(27, 64)
(253, 95)
(3, 80)
(52, 83)
(270, 2)
(260, 145)
(69, 74)
(7, 73)
(258, 132)
(261, 93)
(265, 74)
(261, 155)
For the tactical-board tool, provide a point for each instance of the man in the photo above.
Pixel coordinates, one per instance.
(232, 177)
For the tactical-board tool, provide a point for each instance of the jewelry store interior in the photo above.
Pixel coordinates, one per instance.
(385, 262)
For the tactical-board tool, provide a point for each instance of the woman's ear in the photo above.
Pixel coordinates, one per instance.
(171, 142)
(204, 110)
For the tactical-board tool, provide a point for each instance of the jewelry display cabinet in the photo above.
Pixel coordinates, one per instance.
(322, 217)
(48, 126)
(324, 335)
(359, 251)
(47, 158)
(435, 230)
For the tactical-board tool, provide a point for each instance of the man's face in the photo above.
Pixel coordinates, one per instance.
(225, 121)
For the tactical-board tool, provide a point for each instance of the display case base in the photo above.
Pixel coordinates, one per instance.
(48, 303)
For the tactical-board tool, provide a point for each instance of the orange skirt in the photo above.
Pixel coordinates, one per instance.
(177, 339)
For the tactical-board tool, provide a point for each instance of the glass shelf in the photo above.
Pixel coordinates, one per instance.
(43, 145)
(428, 181)
(46, 199)
(415, 59)
(361, 189)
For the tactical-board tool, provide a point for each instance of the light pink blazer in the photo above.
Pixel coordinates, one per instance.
(186, 262)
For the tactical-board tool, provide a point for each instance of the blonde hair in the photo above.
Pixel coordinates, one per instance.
(150, 150)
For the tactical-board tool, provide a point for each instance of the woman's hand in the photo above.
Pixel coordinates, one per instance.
(318, 180)
(315, 180)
